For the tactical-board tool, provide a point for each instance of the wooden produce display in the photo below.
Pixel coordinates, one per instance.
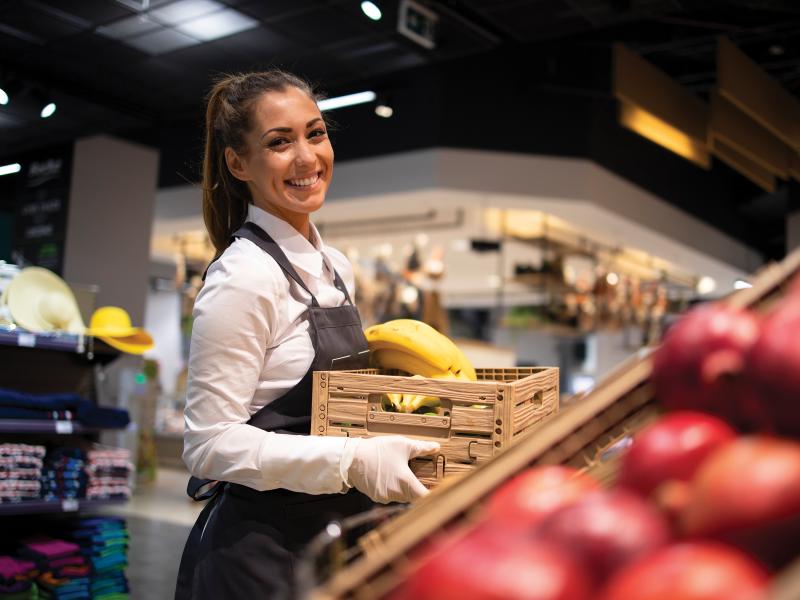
(579, 436)
(474, 421)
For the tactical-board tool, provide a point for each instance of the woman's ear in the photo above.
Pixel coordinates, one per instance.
(235, 165)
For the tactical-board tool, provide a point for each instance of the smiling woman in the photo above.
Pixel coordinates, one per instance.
(274, 308)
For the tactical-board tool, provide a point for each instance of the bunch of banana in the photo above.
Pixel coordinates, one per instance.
(417, 348)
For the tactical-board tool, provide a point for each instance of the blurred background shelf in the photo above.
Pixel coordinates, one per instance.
(28, 507)
(57, 427)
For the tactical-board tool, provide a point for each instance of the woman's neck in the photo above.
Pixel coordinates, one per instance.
(299, 221)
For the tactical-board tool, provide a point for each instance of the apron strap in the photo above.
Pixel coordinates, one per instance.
(262, 239)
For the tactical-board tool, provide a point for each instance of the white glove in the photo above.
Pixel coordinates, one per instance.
(379, 467)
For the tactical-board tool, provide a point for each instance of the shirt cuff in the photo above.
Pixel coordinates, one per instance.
(303, 463)
(346, 461)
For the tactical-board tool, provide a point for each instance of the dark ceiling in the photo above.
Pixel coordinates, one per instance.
(514, 75)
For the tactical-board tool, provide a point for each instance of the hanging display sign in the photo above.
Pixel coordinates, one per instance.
(40, 216)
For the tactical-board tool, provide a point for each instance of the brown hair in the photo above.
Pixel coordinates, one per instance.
(228, 119)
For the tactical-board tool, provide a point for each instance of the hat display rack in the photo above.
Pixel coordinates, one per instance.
(37, 301)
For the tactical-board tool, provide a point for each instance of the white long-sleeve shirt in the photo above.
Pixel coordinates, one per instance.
(249, 346)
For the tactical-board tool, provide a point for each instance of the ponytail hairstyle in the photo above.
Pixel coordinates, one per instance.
(228, 118)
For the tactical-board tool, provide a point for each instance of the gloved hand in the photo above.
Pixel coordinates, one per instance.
(379, 467)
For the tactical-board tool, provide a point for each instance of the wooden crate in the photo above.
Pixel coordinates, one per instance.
(476, 419)
(621, 404)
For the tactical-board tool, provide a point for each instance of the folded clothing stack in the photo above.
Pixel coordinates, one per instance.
(67, 406)
(64, 474)
(109, 471)
(64, 571)
(104, 543)
(20, 472)
(17, 579)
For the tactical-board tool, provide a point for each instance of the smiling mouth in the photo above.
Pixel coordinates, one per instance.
(303, 183)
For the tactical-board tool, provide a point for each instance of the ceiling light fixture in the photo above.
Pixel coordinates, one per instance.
(48, 110)
(3, 96)
(384, 110)
(741, 284)
(371, 10)
(10, 169)
(348, 100)
(706, 285)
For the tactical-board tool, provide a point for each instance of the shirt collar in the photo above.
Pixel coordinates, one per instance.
(300, 252)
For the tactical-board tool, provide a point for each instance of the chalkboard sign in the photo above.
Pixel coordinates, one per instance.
(42, 202)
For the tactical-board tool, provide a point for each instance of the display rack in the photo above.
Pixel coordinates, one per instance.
(619, 405)
(49, 427)
(64, 505)
(49, 363)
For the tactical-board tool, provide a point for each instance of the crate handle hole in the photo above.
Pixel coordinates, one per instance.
(538, 399)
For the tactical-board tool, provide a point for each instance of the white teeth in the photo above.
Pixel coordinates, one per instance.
(304, 182)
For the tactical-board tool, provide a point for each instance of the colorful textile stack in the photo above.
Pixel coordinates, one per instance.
(63, 475)
(109, 471)
(15, 404)
(104, 543)
(20, 472)
(64, 571)
(17, 579)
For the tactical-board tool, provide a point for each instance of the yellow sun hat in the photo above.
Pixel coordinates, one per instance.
(40, 301)
(112, 324)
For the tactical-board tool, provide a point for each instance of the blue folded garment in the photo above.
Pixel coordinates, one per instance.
(87, 412)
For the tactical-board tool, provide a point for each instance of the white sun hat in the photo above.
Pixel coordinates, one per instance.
(41, 301)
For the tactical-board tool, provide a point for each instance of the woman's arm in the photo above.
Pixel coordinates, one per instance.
(234, 322)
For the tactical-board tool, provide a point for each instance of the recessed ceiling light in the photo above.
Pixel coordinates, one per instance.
(185, 10)
(348, 100)
(161, 41)
(3, 96)
(384, 110)
(128, 27)
(706, 285)
(217, 25)
(371, 10)
(48, 110)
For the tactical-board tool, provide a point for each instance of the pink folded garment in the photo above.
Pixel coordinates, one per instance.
(51, 548)
(11, 567)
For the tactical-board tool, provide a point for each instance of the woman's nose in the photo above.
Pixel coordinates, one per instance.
(305, 153)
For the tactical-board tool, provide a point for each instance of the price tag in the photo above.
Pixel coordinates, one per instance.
(69, 505)
(64, 427)
(28, 340)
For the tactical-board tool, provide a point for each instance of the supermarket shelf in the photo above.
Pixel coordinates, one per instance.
(41, 426)
(67, 342)
(30, 507)
(94, 348)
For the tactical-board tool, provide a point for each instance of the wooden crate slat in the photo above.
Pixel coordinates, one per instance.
(535, 410)
(466, 418)
(346, 410)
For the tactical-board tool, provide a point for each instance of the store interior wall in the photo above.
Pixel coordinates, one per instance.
(110, 218)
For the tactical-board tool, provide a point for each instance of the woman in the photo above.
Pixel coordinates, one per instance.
(275, 306)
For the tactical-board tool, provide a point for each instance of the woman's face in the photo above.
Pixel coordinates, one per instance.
(289, 160)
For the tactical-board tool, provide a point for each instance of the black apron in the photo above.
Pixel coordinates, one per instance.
(245, 543)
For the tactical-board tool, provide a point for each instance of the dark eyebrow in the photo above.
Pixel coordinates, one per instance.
(289, 129)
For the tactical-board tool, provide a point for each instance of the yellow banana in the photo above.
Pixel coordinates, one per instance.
(409, 363)
(466, 366)
(396, 400)
(414, 402)
(413, 337)
(459, 363)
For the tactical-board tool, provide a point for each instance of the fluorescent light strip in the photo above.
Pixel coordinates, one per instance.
(349, 100)
(10, 169)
